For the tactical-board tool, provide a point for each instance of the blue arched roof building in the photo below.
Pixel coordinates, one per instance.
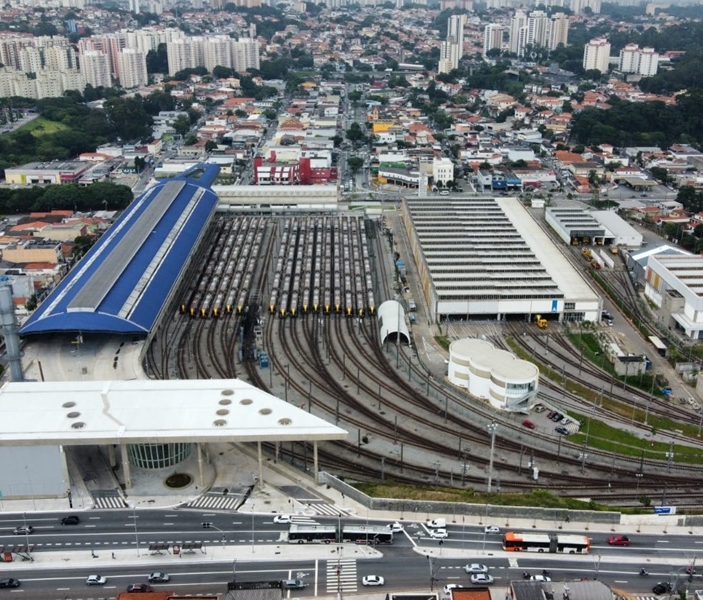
(123, 283)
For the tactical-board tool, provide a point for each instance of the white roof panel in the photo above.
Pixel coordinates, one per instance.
(99, 412)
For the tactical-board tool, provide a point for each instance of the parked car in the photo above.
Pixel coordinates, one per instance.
(136, 588)
(562, 430)
(475, 568)
(439, 534)
(452, 586)
(95, 580)
(372, 580)
(159, 577)
(9, 582)
(481, 579)
(396, 527)
(557, 417)
(283, 519)
(71, 520)
(619, 540)
(540, 578)
(293, 584)
(491, 529)
(529, 424)
(23, 530)
(663, 587)
(551, 413)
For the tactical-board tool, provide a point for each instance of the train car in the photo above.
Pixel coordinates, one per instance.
(372, 304)
(348, 307)
(217, 306)
(273, 300)
(183, 308)
(283, 307)
(359, 304)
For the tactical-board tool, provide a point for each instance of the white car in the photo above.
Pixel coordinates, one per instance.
(372, 580)
(439, 534)
(540, 578)
(451, 586)
(396, 527)
(284, 519)
(491, 529)
(476, 568)
(95, 580)
(481, 579)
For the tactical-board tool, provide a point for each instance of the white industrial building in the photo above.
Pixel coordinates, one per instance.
(623, 233)
(576, 225)
(675, 285)
(496, 375)
(486, 258)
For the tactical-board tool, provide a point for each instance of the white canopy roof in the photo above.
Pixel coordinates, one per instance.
(99, 412)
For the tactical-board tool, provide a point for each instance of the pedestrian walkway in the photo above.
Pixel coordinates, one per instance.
(109, 499)
(341, 576)
(328, 510)
(217, 499)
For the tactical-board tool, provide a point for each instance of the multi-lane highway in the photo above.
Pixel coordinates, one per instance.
(253, 546)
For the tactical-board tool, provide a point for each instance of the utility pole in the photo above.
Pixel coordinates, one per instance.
(492, 428)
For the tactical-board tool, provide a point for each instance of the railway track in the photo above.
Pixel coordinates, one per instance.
(417, 429)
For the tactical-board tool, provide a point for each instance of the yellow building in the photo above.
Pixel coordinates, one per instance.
(33, 251)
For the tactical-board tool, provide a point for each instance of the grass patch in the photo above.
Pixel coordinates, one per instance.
(627, 443)
(40, 127)
(536, 498)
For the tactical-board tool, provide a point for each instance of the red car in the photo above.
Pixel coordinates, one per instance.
(139, 587)
(529, 424)
(619, 540)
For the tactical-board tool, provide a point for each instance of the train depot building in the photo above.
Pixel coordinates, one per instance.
(487, 259)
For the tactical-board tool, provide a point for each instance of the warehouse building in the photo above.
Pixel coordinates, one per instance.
(486, 258)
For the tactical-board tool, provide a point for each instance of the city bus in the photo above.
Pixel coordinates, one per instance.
(546, 542)
(367, 534)
(312, 534)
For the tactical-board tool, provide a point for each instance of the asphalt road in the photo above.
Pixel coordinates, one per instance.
(666, 556)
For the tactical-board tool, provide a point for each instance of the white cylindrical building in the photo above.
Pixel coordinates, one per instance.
(487, 372)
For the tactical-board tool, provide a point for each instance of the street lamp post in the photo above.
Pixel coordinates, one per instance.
(492, 428)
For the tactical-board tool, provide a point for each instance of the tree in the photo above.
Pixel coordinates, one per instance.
(355, 134)
(128, 117)
(181, 125)
(210, 145)
(355, 163)
(139, 163)
(660, 173)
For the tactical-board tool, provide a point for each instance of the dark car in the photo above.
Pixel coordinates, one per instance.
(663, 587)
(556, 417)
(9, 582)
(139, 587)
(71, 520)
(562, 430)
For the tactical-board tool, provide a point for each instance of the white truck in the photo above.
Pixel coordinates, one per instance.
(437, 523)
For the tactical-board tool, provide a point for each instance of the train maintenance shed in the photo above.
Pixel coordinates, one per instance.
(487, 258)
(126, 280)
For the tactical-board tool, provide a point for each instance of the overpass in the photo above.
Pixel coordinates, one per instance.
(237, 197)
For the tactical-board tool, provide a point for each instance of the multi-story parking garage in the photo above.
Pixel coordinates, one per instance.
(486, 258)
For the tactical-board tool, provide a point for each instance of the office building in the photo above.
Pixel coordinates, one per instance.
(596, 55)
(132, 67)
(95, 66)
(452, 48)
(492, 37)
(558, 31)
(518, 31)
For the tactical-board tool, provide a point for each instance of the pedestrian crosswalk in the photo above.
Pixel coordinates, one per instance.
(341, 576)
(328, 510)
(109, 499)
(217, 501)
